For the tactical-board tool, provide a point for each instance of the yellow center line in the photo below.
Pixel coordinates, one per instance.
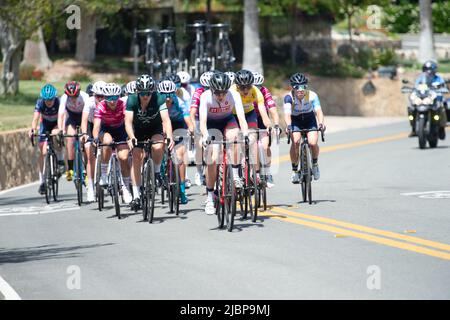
(364, 236)
(389, 234)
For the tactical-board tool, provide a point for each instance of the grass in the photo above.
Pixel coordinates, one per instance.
(414, 66)
(16, 112)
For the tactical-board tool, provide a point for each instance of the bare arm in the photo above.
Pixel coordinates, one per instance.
(129, 115)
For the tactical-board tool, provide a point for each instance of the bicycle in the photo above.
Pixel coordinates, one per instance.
(169, 60)
(249, 192)
(79, 173)
(201, 58)
(151, 57)
(114, 186)
(51, 171)
(305, 162)
(148, 180)
(170, 173)
(224, 52)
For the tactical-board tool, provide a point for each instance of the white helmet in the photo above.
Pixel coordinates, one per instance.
(131, 87)
(184, 76)
(205, 77)
(231, 75)
(111, 89)
(98, 86)
(167, 86)
(259, 79)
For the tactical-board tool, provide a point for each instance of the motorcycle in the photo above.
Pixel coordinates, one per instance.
(425, 111)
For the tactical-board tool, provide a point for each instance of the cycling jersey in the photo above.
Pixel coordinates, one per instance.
(195, 101)
(212, 109)
(74, 107)
(253, 97)
(48, 115)
(89, 107)
(148, 118)
(179, 109)
(110, 118)
(294, 107)
(268, 100)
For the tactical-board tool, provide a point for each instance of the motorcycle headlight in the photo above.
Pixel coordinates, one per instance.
(417, 100)
(427, 100)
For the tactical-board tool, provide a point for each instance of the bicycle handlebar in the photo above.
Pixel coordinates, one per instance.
(322, 134)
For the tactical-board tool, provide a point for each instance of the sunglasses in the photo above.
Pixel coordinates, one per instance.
(299, 87)
(246, 87)
(112, 98)
(220, 93)
(144, 94)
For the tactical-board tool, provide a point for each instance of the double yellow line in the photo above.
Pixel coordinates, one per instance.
(388, 238)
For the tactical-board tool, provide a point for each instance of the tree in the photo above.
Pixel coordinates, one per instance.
(35, 52)
(426, 41)
(252, 46)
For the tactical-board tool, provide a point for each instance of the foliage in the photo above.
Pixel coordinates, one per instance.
(81, 76)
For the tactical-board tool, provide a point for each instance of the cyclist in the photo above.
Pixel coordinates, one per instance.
(271, 108)
(72, 103)
(46, 110)
(301, 108)
(432, 80)
(216, 112)
(180, 119)
(251, 96)
(87, 124)
(195, 103)
(231, 75)
(185, 78)
(89, 90)
(109, 126)
(145, 119)
(130, 88)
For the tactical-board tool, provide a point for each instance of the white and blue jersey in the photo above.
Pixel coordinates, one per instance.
(295, 107)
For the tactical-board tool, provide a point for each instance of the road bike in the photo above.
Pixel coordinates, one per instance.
(305, 156)
(51, 172)
(169, 59)
(201, 56)
(79, 172)
(151, 57)
(223, 50)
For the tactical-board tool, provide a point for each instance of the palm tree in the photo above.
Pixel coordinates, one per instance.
(426, 41)
(252, 46)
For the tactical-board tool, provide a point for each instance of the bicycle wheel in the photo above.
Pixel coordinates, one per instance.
(306, 172)
(174, 187)
(230, 199)
(219, 206)
(309, 175)
(149, 191)
(48, 178)
(54, 174)
(98, 188)
(115, 187)
(78, 179)
(253, 193)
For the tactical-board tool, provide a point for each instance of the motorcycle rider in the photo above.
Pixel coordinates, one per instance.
(433, 81)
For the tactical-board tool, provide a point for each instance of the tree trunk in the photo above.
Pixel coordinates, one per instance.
(293, 36)
(426, 41)
(350, 28)
(252, 46)
(35, 52)
(11, 45)
(86, 40)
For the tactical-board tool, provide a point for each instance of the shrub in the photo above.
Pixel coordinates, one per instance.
(26, 72)
(81, 76)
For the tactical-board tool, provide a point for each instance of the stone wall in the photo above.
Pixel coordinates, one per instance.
(18, 159)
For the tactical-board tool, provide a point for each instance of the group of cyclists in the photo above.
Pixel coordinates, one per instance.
(225, 105)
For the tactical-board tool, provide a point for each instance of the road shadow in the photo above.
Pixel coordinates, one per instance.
(46, 252)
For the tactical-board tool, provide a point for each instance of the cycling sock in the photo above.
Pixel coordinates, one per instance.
(126, 182)
(200, 170)
(136, 191)
(210, 194)
(294, 167)
(315, 161)
(267, 171)
(70, 163)
(90, 184)
(104, 169)
(183, 187)
(235, 170)
(41, 177)
(157, 168)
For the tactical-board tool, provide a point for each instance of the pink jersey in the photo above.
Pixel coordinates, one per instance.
(268, 100)
(111, 118)
(195, 101)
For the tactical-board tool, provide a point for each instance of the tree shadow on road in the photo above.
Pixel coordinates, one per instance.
(46, 252)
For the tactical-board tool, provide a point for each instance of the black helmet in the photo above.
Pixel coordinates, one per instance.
(219, 82)
(244, 78)
(123, 90)
(174, 78)
(145, 83)
(430, 67)
(89, 89)
(298, 79)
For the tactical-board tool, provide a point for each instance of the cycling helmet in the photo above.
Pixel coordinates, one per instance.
(220, 82)
(97, 88)
(175, 78)
(232, 75)
(89, 90)
(72, 89)
(259, 78)
(145, 83)
(298, 79)
(429, 67)
(123, 90)
(131, 87)
(167, 86)
(244, 78)
(111, 89)
(205, 77)
(184, 77)
(48, 92)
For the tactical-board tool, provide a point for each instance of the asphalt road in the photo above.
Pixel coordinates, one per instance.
(379, 229)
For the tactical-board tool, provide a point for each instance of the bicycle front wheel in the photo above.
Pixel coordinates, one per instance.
(230, 199)
(115, 187)
(78, 180)
(253, 192)
(218, 200)
(149, 191)
(54, 174)
(48, 178)
(174, 187)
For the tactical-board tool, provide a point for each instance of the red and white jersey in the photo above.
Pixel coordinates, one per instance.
(73, 105)
(211, 108)
(195, 101)
(111, 118)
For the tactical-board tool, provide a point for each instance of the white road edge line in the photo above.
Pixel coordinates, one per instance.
(8, 291)
(37, 213)
(19, 187)
(424, 192)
